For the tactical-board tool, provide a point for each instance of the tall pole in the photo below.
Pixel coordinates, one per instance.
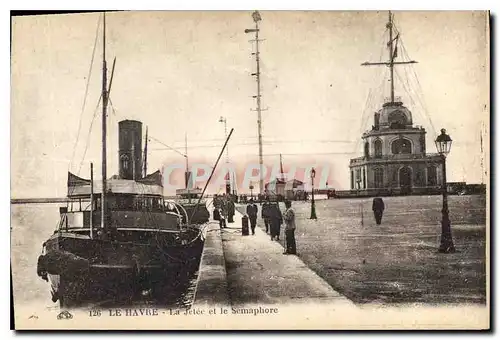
(188, 175)
(91, 221)
(256, 18)
(259, 110)
(281, 169)
(104, 108)
(146, 154)
(391, 56)
(447, 245)
(313, 204)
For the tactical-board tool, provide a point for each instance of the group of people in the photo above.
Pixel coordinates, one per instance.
(224, 210)
(273, 219)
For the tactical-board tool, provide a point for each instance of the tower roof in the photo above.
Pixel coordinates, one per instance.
(394, 115)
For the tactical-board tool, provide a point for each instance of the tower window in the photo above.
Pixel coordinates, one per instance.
(397, 120)
(378, 177)
(378, 148)
(431, 176)
(401, 146)
(422, 144)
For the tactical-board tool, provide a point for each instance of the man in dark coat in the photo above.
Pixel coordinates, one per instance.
(230, 209)
(275, 219)
(378, 209)
(290, 226)
(265, 215)
(223, 214)
(252, 211)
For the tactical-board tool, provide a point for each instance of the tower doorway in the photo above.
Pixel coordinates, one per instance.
(405, 180)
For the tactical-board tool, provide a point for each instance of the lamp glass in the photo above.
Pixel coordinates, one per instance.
(443, 143)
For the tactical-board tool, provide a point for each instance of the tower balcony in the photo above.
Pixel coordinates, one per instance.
(430, 157)
(385, 130)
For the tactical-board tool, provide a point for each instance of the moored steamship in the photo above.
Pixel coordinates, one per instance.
(118, 236)
(143, 240)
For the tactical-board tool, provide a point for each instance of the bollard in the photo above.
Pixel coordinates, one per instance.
(244, 225)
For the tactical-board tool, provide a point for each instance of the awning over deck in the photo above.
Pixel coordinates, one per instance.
(149, 185)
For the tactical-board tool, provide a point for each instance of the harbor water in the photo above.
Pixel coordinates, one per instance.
(31, 225)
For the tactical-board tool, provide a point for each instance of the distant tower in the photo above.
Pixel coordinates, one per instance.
(394, 158)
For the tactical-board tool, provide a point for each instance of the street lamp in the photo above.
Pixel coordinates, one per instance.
(443, 146)
(228, 184)
(251, 191)
(313, 206)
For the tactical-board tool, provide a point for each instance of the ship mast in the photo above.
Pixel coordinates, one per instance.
(146, 154)
(104, 108)
(188, 174)
(392, 44)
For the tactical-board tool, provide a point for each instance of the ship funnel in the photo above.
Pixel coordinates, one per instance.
(130, 149)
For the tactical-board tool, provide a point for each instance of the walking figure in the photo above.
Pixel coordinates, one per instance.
(290, 226)
(378, 209)
(252, 211)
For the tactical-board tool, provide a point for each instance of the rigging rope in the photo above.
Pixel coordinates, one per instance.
(418, 91)
(88, 135)
(371, 94)
(86, 94)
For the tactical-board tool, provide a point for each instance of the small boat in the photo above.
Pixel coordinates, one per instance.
(196, 209)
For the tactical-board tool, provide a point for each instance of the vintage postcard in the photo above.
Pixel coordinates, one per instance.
(251, 170)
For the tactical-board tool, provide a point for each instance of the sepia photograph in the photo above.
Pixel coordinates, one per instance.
(250, 170)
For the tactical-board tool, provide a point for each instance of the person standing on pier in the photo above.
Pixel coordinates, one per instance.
(378, 209)
(230, 209)
(275, 219)
(223, 213)
(290, 226)
(252, 211)
(265, 214)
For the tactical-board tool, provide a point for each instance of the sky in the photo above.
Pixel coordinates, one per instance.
(179, 72)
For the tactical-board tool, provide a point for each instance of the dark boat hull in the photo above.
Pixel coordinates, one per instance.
(84, 270)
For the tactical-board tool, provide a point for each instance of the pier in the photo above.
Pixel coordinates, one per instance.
(239, 271)
(344, 256)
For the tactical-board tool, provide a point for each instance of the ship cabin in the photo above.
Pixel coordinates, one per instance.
(132, 205)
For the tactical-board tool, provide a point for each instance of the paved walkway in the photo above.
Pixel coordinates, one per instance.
(211, 288)
(259, 273)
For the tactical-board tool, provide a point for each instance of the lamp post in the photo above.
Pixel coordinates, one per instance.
(443, 146)
(228, 183)
(313, 206)
(251, 191)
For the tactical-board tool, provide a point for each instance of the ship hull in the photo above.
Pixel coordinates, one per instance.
(84, 270)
